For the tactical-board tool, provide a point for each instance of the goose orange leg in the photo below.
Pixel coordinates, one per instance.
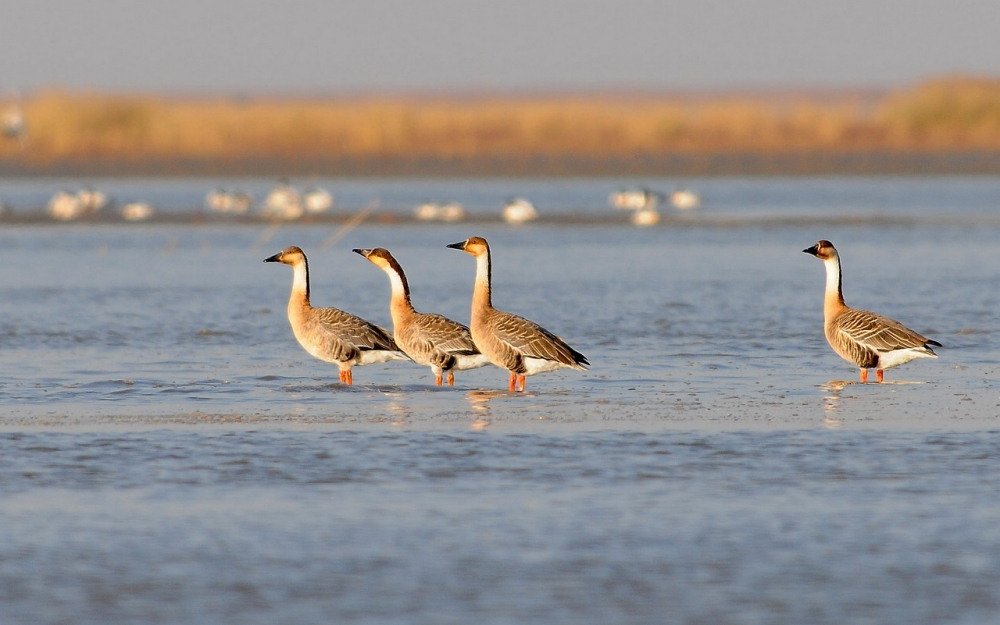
(348, 378)
(878, 375)
(521, 384)
(437, 380)
(451, 378)
(864, 376)
(513, 381)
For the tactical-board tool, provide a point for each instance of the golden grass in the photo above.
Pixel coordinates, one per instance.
(946, 114)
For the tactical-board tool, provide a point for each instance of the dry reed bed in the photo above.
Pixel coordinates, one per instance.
(952, 114)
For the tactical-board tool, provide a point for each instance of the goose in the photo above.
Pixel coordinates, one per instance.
(514, 343)
(330, 334)
(868, 340)
(428, 339)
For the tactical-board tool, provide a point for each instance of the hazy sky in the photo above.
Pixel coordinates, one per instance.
(332, 46)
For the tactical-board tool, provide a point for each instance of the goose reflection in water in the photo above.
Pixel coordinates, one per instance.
(479, 402)
(831, 401)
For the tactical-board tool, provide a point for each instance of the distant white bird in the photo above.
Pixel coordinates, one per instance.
(519, 210)
(228, 201)
(283, 202)
(91, 200)
(65, 206)
(215, 200)
(317, 200)
(452, 211)
(635, 199)
(428, 211)
(685, 199)
(137, 211)
(432, 211)
(14, 126)
(645, 217)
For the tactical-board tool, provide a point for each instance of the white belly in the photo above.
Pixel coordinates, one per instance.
(887, 360)
(373, 356)
(470, 362)
(540, 365)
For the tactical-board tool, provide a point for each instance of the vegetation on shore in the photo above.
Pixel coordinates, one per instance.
(77, 131)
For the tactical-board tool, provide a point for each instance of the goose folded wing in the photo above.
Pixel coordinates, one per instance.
(534, 341)
(879, 333)
(446, 335)
(354, 330)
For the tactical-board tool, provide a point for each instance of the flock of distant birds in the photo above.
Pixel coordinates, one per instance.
(67, 206)
(286, 203)
(283, 202)
(643, 203)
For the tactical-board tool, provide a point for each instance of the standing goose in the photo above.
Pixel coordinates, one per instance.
(427, 338)
(868, 340)
(520, 346)
(330, 334)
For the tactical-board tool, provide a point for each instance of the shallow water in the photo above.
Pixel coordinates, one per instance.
(254, 526)
(168, 453)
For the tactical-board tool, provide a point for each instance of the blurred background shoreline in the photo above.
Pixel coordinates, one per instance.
(947, 125)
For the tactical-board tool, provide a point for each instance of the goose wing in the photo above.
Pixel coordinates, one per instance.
(533, 341)
(444, 335)
(355, 331)
(878, 333)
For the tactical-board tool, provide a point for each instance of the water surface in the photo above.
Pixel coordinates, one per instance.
(169, 454)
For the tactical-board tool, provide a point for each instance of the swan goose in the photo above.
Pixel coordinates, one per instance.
(329, 334)
(869, 340)
(514, 343)
(427, 338)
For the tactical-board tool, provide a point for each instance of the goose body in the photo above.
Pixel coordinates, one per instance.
(864, 338)
(329, 334)
(428, 339)
(514, 343)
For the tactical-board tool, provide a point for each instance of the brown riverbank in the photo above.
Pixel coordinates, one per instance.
(941, 126)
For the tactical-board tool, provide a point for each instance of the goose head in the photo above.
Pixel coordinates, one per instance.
(380, 257)
(476, 246)
(823, 250)
(290, 256)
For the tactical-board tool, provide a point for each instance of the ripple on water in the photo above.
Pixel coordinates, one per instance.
(824, 527)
